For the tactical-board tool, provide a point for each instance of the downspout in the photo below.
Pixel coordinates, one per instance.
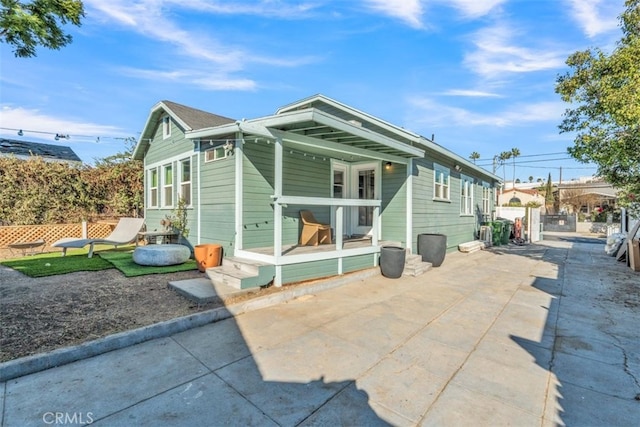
(198, 209)
(409, 220)
(239, 188)
(277, 212)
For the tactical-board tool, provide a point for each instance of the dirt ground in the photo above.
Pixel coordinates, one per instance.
(42, 314)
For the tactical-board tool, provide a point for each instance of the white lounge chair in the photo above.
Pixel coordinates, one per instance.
(125, 232)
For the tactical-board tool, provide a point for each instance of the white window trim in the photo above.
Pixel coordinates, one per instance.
(486, 202)
(166, 127)
(214, 150)
(150, 188)
(446, 172)
(163, 202)
(190, 181)
(466, 203)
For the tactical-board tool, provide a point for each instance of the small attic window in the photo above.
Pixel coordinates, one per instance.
(166, 127)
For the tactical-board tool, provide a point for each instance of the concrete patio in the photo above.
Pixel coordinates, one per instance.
(539, 335)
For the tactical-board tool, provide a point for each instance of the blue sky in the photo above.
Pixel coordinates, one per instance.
(477, 74)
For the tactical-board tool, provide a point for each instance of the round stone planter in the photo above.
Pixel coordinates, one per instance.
(392, 261)
(159, 255)
(433, 248)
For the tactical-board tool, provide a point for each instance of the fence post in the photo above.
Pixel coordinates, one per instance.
(84, 229)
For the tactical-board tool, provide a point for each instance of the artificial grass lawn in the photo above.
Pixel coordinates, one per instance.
(49, 264)
(123, 261)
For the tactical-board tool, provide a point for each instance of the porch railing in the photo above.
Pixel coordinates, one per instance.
(278, 258)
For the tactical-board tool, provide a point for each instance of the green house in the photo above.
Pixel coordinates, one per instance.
(245, 183)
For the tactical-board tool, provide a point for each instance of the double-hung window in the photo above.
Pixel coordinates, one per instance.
(486, 199)
(166, 127)
(152, 202)
(441, 182)
(185, 181)
(215, 153)
(167, 186)
(466, 195)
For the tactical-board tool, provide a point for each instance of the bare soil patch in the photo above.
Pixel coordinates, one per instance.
(42, 314)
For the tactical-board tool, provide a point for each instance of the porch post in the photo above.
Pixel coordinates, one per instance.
(239, 157)
(409, 220)
(339, 231)
(277, 211)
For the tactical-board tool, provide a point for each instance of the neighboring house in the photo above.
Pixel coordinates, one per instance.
(586, 196)
(246, 181)
(48, 152)
(520, 195)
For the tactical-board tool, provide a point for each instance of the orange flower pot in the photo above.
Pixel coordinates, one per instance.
(207, 256)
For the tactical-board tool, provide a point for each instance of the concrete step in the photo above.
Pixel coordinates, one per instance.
(416, 270)
(414, 266)
(243, 264)
(473, 246)
(228, 275)
(241, 273)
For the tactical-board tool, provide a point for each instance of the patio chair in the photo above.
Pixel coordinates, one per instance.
(125, 232)
(313, 232)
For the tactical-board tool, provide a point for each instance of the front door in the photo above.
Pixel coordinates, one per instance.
(356, 181)
(365, 178)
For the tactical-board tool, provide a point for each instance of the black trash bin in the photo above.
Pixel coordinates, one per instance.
(392, 260)
(432, 247)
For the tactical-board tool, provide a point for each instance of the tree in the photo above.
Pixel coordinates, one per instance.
(530, 178)
(513, 154)
(606, 116)
(28, 24)
(474, 156)
(549, 200)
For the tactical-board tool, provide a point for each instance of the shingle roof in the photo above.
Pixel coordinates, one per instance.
(197, 119)
(47, 151)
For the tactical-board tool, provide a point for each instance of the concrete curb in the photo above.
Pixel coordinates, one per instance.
(39, 362)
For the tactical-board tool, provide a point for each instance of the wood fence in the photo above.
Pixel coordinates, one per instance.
(51, 233)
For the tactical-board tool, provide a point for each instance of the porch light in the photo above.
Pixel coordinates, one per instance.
(387, 166)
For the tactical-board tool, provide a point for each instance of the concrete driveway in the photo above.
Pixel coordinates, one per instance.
(541, 335)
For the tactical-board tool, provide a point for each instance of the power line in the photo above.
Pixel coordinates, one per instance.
(58, 135)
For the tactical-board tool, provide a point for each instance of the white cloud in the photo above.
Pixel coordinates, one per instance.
(596, 16)
(433, 114)
(43, 125)
(267, 8)
(412, 11)
(471, 93)
(204, 80)
(496, 54)
(409, 11)
(474, 8)
(151, 19)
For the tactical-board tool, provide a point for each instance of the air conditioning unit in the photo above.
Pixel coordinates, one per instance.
(486, 234)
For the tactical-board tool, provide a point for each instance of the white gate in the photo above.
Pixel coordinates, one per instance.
(533, 226)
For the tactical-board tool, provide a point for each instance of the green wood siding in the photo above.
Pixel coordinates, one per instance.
(394, 203)
(159, 152)
(217, 204)
(161, 148)
(359, 262)
(302, 176)
(309, 270)
(434, 216)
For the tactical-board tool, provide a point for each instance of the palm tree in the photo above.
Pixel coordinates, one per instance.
(530, 178)
(474, 156)
(514, 153)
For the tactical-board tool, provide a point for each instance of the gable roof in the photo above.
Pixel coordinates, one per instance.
(188, 118)
(27, 149)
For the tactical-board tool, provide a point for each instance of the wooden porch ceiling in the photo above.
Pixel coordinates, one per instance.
(328, 133)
